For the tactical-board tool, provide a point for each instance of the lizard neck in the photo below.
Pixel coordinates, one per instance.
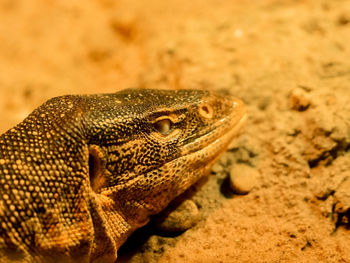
(53, 156)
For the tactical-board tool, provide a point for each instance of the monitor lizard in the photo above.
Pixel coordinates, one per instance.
(82, 172)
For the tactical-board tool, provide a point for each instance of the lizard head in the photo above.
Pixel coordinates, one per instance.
(151, 145)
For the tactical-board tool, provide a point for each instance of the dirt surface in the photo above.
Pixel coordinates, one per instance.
(288, 60)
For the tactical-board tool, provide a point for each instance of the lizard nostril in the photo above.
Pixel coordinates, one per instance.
(206, 111)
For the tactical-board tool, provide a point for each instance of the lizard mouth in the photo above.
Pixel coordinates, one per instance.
(203, 158)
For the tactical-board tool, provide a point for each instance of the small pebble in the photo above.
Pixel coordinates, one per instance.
(299, 99)
(243, 178)
(185, 216)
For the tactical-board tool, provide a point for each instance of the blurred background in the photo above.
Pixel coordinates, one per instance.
(50, 48)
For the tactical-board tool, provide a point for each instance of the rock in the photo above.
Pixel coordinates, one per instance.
(243, 178)
(185, 216)
(299, 99)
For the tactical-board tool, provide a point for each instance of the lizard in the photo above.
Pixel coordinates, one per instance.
(82, 172)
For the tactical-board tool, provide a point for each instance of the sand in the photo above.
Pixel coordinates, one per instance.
(289, 61)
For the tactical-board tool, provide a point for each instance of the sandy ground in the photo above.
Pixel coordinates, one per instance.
(288, 60)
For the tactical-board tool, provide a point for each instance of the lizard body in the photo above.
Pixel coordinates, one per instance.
(82, 172)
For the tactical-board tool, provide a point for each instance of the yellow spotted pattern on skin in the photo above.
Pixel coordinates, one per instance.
(82, 172)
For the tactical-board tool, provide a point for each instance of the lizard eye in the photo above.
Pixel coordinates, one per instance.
(163, 126)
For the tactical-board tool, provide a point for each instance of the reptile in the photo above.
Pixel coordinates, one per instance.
(82, 172)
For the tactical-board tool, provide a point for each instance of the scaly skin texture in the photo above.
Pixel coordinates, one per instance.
(82, 172)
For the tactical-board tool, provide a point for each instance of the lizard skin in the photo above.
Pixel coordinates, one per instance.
(82, 172)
